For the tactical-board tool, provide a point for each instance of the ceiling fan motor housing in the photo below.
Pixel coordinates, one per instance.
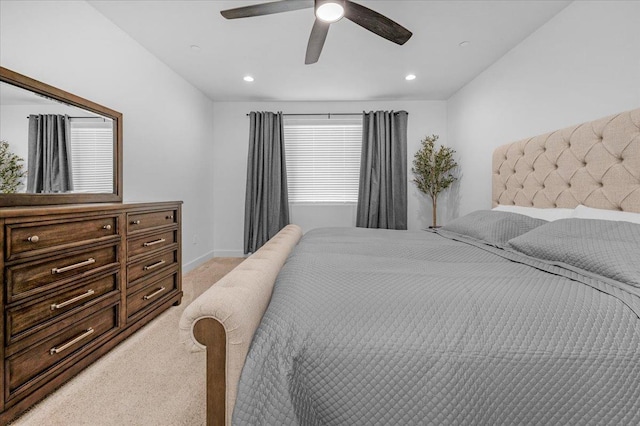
(319, 3)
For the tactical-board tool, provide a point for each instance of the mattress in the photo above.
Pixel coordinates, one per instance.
(380, 327)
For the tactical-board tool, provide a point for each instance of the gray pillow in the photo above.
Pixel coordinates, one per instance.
(605, 248)
(493, 227)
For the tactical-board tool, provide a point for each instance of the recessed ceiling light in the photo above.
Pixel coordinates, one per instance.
(195, 47)
(463, 43)
(330, 12)
(248, 78)
(410, 77)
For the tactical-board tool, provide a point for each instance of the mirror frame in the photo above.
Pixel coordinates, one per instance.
(22, 199)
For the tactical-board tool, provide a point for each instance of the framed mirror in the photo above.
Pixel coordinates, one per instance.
(56, 147)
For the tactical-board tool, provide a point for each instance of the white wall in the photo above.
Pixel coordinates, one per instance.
(231, 135)
(168, 123)
(582, 65)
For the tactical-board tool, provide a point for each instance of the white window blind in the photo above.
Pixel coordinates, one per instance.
(323, 158)
(92, 155)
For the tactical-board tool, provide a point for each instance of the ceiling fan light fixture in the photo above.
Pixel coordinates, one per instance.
(327, 12)
(330, 12)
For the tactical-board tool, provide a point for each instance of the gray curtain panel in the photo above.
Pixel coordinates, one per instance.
(266, 208)
(49, 161)
(382, 192)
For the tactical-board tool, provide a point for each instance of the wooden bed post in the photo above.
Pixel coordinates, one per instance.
(211, 333)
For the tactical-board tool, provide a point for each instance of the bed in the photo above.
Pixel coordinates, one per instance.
(497, 318)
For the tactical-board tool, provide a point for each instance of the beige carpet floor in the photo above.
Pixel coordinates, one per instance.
(149, 379)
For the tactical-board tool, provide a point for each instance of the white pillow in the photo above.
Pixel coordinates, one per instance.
(545, 214)
(584, 212)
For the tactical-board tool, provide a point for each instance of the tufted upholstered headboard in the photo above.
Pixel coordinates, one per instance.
(595, 163)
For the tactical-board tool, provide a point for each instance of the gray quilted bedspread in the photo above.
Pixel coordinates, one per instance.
(377, 327)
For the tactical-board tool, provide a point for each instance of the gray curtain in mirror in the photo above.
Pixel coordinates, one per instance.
(49, 158)
(382, 192)
(266, 209)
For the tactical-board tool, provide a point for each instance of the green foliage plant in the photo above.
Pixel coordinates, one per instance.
(11, 172)
(433, 170)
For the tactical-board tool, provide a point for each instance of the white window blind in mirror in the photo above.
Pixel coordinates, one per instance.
(92, 155)
(323, 158)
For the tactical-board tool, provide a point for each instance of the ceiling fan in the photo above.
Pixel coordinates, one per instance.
(327, 12)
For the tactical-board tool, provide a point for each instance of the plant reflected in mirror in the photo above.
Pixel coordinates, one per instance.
(12, 171)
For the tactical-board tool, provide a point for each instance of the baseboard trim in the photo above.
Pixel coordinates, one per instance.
(208, 256)
(229, 253)
(197, 262)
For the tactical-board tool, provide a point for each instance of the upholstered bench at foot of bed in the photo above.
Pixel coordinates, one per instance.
(224, 319)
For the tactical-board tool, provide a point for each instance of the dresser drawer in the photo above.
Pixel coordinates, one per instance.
(150, 265)
(33, 238)
(28, 315)
(151, 293)
(27, 279)
(148, 220)
(149, 243)
(34, 361)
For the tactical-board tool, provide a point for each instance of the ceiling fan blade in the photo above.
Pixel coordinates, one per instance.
(376, 23)
(316, 41)
(267, 8)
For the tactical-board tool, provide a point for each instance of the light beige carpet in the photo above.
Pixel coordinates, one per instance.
(149, 379)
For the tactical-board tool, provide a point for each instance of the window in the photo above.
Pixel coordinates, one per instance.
(92, 155)
(323, 158)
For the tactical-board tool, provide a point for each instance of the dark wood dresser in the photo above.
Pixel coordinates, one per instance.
(77, 280)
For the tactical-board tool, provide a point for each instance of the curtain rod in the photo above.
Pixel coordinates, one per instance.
(328, 114)
(95, 118)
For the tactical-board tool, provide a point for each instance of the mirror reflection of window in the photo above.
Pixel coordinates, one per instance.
(91, 142)
(91, 160)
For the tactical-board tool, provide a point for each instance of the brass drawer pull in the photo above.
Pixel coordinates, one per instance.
(33, 239)
(135, 222)
(107, 227)
(73, 300)
(75, 340)
(89, 261)
(154, 294)
(153, 243)
(169, 217)
(155, 265)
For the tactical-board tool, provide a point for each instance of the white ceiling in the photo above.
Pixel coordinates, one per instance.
(355, 64)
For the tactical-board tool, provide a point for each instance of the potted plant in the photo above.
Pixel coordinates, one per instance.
(11, 172)
(433, 170)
